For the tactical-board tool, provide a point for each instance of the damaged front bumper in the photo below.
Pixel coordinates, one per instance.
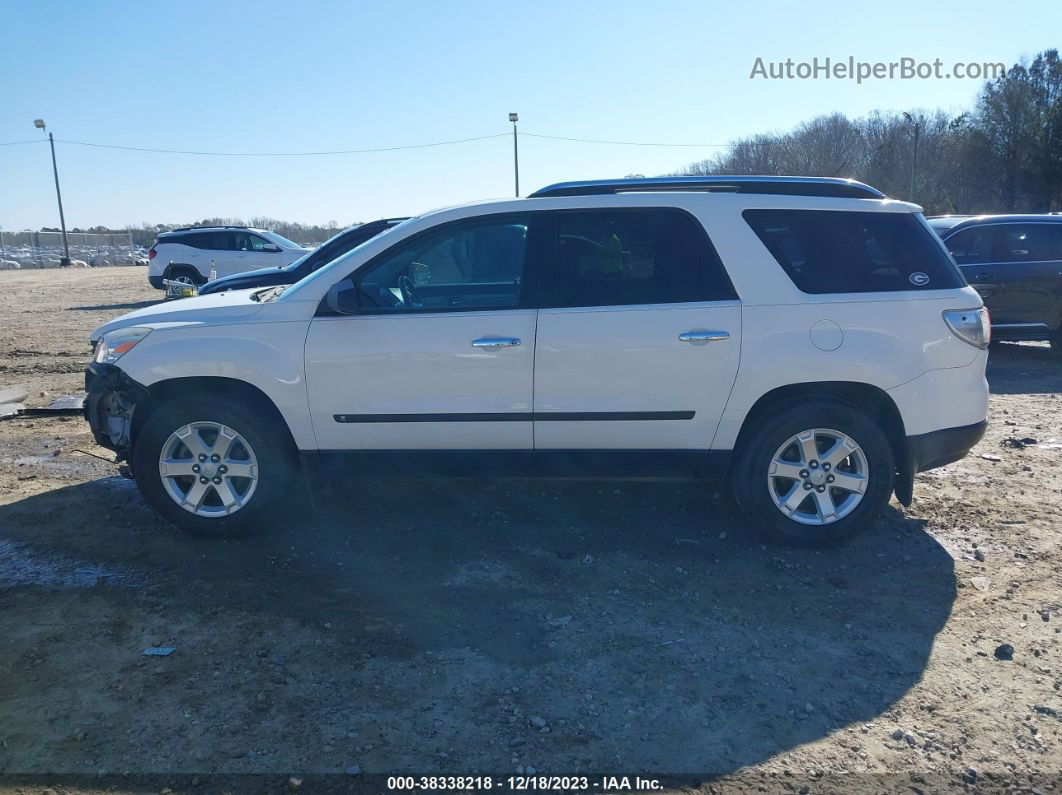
(109, 406)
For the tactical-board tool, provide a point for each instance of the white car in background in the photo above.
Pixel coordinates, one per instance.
(808, 340)
(186, 255)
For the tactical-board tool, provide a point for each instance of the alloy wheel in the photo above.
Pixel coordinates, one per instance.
(818, 476)
(208, 469)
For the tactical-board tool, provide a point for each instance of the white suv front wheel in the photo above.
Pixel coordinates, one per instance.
(815, 474)
(213, 467)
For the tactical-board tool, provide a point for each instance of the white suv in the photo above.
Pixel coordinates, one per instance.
(185, 255)
(807, 339)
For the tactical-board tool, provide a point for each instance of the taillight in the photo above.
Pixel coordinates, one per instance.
(970, 325)
(152, 253)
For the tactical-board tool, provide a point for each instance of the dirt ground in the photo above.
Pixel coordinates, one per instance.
(473, 626)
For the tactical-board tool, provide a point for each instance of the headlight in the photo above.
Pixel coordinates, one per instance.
(114, 344)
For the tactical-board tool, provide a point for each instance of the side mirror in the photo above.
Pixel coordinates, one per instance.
(273, 249)
(342, 298)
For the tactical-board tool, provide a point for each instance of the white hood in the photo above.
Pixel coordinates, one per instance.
(200, 309)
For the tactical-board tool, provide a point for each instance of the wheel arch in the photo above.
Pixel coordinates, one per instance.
(247, 394)
(867, 398)
(174, 267)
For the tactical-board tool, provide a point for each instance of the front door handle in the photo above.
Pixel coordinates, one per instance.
(701, 337)
(496, 342)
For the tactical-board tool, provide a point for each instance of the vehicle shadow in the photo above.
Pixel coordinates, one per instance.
(634, 618)
(1024, 368)
(129, 305)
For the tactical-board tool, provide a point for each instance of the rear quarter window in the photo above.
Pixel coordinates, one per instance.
(838, 251)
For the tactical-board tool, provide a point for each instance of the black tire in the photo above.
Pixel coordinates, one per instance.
(752, 460)
(277, 467)
(175, 271)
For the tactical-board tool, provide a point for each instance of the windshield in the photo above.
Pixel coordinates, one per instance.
(321, 248)
(280, 240)
(293, 291)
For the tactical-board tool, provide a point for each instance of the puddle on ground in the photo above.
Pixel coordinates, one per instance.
(18, 566)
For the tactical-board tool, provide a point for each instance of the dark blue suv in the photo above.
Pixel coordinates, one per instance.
(289, 274)
(1015, 263)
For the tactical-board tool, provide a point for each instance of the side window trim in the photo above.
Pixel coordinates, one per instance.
(358, 275)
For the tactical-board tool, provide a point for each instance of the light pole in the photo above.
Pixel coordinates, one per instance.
(65, 261)
(914, 157)
(513, 117)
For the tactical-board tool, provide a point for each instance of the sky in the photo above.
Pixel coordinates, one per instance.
(270, 76)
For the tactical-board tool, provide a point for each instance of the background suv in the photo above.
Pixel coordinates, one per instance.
(184, 255)
(807, 339)
(1015, 263)
(335, 246)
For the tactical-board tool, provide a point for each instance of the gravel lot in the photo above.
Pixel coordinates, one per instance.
(458, 626)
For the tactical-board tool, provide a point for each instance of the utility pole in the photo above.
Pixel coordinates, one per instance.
(65, 261)
(513, 117)
(914, 154)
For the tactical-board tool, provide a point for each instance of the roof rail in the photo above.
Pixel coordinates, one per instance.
(791, 186)
(197, 228)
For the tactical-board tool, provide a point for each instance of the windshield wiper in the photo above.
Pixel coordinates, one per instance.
(271, 294)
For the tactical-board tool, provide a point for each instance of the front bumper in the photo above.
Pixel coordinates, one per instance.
(110, 402)
(939, 448)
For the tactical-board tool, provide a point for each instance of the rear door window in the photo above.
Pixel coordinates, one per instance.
(211, 241)
(1029, 243)
(631, 257)
(838, 251)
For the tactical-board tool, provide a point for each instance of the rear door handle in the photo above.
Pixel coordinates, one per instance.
(701, 337)
(496, 342)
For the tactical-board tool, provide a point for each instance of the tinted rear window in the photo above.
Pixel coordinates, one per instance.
(830, 251)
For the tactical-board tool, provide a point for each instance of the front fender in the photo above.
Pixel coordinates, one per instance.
(268, 356)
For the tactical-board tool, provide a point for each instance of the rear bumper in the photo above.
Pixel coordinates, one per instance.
(156, 282)
(938, 448)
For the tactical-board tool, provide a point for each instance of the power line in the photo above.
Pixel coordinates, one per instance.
(368, 151)
(281, 154)
(617, 143)
(31, 141)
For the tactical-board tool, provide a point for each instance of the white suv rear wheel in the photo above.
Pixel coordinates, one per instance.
(818, 476)
(814, 474)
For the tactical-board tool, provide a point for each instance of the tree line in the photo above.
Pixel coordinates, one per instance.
(1004, 155)
(145, 234)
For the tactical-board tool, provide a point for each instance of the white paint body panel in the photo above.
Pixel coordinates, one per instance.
(420, 364)
(603, 359)
(622, 359)
(888, 341)
(947, 398)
